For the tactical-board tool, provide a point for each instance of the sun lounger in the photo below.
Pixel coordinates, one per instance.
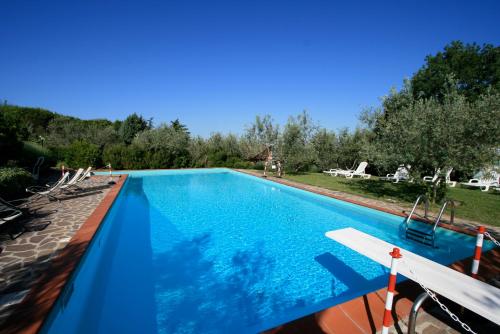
(401, 174)
(360, 171)
(20, 214)
(447, 178)
(433, 179)
(73, 180)
(85, 174)
(11, 212)
(47, 191)
(483, 183)
(331, 172)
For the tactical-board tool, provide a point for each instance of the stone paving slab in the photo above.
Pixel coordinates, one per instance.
(50, 229)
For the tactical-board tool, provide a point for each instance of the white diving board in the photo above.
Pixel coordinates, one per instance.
(464, 290)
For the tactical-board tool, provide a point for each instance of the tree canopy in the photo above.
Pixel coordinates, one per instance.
(475, 69)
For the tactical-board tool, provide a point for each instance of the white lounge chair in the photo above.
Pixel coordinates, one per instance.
(8, 214)
(434, 178)
(448, 179)
(401, 174)
(438, 173)
(360, 171)
(86, 174)
(47, 191)
(73, 180)
(484, 182)
(83, 176)
(331, 172)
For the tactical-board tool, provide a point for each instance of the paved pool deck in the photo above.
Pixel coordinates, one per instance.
(24, 259)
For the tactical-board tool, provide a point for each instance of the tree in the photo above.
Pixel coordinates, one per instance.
(10, 145)
(324, 143)
(178, 126)
(164, 147)
(132, 125)
(259, 135)
(475, 69)
(431, 133)
(298, 152)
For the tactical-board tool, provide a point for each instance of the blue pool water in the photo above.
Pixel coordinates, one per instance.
(216, 251)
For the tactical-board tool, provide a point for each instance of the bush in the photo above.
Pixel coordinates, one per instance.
(82, 154)
(113, 154)
(259, 165)
(31, 152)
(13, 182)
(133, 158)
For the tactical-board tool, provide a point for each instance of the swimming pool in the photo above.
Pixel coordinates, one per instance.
(217, 251)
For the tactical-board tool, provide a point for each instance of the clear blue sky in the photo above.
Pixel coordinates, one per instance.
(217, 64)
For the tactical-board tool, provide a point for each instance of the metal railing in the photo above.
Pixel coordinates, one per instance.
(441, 212)
(426, 204)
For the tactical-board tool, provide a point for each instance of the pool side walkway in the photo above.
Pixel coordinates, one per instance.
(26, 260)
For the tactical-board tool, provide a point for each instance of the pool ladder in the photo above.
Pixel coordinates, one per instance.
(426, 237)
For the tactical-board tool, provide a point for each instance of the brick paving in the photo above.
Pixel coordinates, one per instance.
(24, 259)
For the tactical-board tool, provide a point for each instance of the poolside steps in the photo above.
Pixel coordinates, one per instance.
(423, 236)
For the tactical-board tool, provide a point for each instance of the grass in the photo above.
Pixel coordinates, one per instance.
(35, 150)
(472, 203)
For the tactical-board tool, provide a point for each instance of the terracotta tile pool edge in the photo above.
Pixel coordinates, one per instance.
(30, 315)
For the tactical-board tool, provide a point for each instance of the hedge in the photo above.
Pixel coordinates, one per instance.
(13, 182)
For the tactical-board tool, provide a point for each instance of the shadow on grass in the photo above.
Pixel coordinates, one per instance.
(406, 192)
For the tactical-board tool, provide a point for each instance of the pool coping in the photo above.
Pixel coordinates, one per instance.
(33, 311)
(29, 315)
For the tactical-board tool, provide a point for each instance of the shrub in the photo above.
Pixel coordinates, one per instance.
(31, 152)
(133, 158)
(113, 154)
(13, 182)
(82, 154)
(259, 165)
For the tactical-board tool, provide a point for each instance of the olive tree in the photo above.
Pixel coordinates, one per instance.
(431, 133)
(297, 148)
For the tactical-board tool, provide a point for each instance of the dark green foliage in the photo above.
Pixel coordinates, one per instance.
(63, 131)
(132, 125)
(13, 182)
(178, 126)
(82, 154)
(30, 122)
(32, 151)
(133, 158)
(475, 69)
(113, 154)
(10, 145)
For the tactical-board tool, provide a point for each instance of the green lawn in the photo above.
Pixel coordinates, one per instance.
(472, 203)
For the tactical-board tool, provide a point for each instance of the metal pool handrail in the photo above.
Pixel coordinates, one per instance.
(426, 203)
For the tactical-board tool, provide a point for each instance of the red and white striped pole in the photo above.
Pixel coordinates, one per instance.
(477, 251)
(396, 255)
